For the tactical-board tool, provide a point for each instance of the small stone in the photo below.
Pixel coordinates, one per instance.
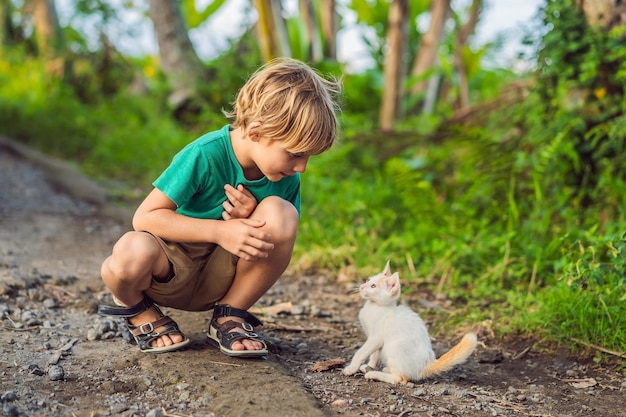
(463, 393)
(4, 310)
(8, 396)
(154, 413)
(10, 410)
(35, 370)
(33, 322)
(109, 335)
(119, 408)
(297, 310)
(27, 315)
(50, 303)
(339, 403)
(56, 373)
(93, 334)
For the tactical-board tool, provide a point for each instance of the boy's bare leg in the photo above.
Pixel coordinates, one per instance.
(136, 258)
(253, 279)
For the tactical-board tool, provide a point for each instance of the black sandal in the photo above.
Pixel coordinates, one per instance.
(220, 334)
(145, 333)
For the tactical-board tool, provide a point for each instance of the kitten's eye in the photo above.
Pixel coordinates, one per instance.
(373, 286)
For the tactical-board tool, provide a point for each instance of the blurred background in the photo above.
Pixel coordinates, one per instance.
(482, 143)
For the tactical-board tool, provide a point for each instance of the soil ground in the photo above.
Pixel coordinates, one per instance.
(59, 358)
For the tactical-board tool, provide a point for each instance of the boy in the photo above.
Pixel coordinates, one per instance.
(218, 229)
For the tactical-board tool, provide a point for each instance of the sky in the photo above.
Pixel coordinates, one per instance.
(504, 19)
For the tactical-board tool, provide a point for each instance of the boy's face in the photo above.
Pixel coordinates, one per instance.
(275, 162)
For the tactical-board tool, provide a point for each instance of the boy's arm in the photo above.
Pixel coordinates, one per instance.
(242, 237)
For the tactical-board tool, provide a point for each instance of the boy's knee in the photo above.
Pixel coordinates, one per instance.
(131, 254)
(281, 216)
(135, 244)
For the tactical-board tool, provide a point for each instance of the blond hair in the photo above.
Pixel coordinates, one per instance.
(292, 103)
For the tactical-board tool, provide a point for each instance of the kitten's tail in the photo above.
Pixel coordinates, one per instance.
(455, 356)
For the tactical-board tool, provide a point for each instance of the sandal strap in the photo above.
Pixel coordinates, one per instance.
(147, 328)
(225, 337)
(123, 311)
(145, 333)
(224, 310)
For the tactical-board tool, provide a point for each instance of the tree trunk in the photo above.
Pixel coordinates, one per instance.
(313, 37)
(47, 28)
(462, 37)
(394, 73)
(271, 30)
(179, 61)
(432, 92)
(6, 25)
(427, 55)
(330, 26)
(606, 13)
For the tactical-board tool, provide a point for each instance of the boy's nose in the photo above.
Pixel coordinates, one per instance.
(300, 165)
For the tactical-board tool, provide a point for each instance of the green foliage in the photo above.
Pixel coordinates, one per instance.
(297, 34)
(195, 17)
(586, 303)
(373, 14)
(362, 93)
(232, 68)
(104, 137)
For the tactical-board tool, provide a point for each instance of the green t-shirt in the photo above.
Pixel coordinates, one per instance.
(196, 177)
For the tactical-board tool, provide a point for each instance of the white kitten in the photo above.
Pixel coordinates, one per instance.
(397, 338)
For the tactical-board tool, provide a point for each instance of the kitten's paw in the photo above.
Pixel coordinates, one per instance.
(387, 377)
(366, 368)
(350, 370)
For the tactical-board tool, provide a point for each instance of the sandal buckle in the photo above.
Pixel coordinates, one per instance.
(247, 327)
(145, 326)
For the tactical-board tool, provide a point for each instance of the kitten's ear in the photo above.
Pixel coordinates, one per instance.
(387, 270)
(393, 284)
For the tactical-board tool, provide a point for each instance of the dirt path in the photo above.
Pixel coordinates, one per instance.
(58, 358)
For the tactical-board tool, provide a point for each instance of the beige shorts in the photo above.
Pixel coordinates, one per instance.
(202, 273)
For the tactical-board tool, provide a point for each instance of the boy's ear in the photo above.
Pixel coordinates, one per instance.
(252, 131)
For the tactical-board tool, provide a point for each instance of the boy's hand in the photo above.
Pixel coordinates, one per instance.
(245, 239)
(240, 203)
